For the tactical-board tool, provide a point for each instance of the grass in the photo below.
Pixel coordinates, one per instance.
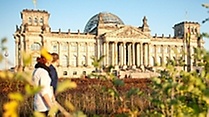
(89, 97)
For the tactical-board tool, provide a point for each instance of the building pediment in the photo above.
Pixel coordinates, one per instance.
(127, 32)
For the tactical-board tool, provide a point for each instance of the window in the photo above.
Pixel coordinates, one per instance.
(41, 21)
(55, 47)
(92, 52)
(182, 48)
(91, 48)
(30, 20)
(160, 61)
(153, 49)
(65, 47)
(84, 72)
(83, 60)
(166, 49)
(74, 72)
(177, 49)
(159, 49)
(65, 73)
(74, 48)
(36, 20)
(83, 48)
(74, 61)
(64, 61)
(153, 61)
(35, 46)
(169, 49)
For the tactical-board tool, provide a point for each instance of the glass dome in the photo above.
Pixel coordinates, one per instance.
(106, 18)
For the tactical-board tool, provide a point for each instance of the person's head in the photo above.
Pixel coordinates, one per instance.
(45, 60)
(55, 59)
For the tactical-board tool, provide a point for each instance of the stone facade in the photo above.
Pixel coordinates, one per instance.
(125, 47)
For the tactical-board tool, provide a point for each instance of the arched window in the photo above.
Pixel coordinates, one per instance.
(92, 48)
(35, 46)
(55, 47)
(74, 72)
(30, 20)
(169, 49)
(74, 61)
(153, 49)
(182, 48)
(153, 61)
(36, 20)
(84, 72)
(64, 61)
(160, 61)
(65, 47)
(165, 49)
(74, 48)
(83, 48)
(159, 49)
(65, 73)
(41, 21)
(83, 60)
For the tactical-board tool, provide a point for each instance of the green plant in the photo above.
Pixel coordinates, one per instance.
(112, 91)
(16, 98)
(178, 93)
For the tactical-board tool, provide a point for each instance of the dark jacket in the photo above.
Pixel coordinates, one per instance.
(54, 77)
(41, 65)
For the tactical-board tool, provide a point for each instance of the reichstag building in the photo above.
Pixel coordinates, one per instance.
(127, 48)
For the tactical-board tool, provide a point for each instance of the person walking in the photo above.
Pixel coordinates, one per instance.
(53, 71)
(44, 100)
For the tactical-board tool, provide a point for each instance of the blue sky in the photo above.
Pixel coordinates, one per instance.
(74, 14)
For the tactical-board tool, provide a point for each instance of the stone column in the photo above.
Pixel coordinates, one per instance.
(142, 54)
(107, 47)
(124, 55)
(170, 52)
(78, 54)
(133, 55)
(129, 55)
(27, 49)
(155, 54)
(112, 54)
(87, 54)
(105, 53)
(116, 53)
(98, 48)
(149, 54)
(146, 54)
(121, 55)
(138, 54)
(60, 52)
(163, 54)
(69, 57)
(42, 40)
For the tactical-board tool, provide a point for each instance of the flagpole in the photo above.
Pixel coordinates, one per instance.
(34, 3)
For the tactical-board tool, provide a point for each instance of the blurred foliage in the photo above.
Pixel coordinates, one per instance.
(106, 73)
(177, 93)
(16, 98)
(207, 7)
